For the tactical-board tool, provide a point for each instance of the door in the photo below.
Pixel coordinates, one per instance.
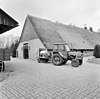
(25, 51)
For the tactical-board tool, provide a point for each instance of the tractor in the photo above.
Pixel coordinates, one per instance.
(61, 55)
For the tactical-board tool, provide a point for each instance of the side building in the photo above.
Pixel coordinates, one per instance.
(6, 22)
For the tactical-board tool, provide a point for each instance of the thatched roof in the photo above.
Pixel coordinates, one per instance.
(43, 30)
(49, 32)
(78, 37)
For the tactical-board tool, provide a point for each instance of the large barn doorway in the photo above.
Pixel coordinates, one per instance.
(25, 51)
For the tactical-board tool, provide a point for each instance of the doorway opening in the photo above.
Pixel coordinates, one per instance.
(25, 51)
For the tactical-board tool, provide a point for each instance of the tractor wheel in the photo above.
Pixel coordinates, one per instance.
(57, 59)
(75, 63)
(80, 62)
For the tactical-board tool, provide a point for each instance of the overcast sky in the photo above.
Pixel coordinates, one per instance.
(78, 12)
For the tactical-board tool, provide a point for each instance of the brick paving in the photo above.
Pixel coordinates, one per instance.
(32, 80)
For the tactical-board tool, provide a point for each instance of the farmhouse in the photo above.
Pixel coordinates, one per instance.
(39, 33)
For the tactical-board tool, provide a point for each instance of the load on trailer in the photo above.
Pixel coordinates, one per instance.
(43, 55)
(4, 56)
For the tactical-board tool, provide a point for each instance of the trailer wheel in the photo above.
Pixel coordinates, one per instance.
(0, 66)
(42, 60)
(75, 63)
(38, 60)
(3, 67)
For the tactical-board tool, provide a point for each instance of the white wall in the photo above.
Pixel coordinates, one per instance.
(34, 45)
(20, 49)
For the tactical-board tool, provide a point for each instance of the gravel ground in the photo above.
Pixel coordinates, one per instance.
(31, 80)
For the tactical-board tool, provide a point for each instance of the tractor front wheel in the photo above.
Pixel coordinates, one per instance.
(57, 60)
(75, 63)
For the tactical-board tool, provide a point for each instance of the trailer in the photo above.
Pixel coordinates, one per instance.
(43, 55)
(4, 56)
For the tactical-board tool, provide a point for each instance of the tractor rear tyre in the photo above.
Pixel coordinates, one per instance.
(57, 60)
(75, 63)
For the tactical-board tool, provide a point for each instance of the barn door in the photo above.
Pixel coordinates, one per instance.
(25, 51)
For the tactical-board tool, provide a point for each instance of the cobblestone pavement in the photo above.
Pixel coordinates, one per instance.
(32, 80)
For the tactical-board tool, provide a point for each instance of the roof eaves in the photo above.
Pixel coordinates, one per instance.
(9, 16)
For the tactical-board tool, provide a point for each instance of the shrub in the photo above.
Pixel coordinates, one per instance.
(96, 52)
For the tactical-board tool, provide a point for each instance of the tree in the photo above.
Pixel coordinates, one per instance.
(14, 47)
(96, 52)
